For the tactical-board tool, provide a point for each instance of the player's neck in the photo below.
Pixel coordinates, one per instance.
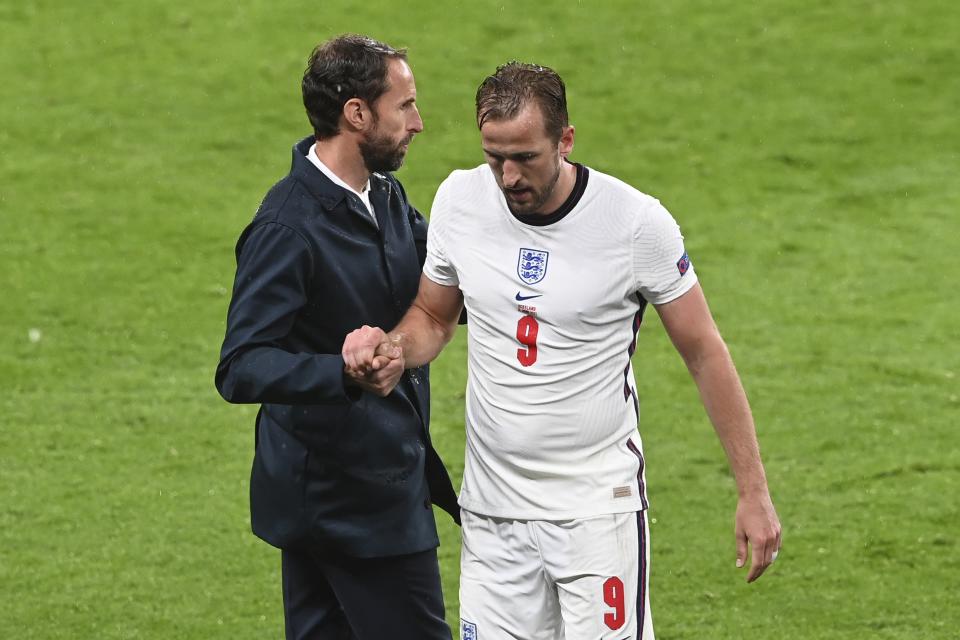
(562, 190)
(342, 156)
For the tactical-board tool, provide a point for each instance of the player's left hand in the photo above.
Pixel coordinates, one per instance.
(758, 525)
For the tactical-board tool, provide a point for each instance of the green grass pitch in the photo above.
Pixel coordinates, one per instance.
(810, 151)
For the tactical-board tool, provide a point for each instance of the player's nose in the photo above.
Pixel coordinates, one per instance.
(511, 174)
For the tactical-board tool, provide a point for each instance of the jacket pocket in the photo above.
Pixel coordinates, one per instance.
(383, 441)
(317, 427)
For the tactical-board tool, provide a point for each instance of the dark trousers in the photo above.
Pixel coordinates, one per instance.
(363, 598)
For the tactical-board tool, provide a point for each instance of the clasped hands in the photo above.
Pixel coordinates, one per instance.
(371, 360)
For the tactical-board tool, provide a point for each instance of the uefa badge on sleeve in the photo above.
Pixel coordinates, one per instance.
(468, 630)
(683, 264)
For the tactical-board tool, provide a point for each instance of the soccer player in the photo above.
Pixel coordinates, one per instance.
(556, 263)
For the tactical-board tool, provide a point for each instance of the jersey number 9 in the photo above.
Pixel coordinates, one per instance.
(527, 328)
(613, 596)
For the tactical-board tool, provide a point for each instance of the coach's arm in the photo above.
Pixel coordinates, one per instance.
(421, 335)
(690, 325)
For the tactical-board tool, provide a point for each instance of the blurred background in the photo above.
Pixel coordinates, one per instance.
(808, 150)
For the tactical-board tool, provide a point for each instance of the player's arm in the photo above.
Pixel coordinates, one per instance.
(424, 330)
(429, 324)
(690, 325)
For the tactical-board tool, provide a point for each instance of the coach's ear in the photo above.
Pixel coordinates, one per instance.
(357, 114)
(565, 144)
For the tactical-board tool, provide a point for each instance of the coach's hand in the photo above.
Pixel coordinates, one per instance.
(360, 349)
(381, 375)
(758, 525)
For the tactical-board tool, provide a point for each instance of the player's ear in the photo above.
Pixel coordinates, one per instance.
(356, 114)
(565, 145)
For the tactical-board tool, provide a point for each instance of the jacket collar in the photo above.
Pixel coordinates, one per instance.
(329, 195)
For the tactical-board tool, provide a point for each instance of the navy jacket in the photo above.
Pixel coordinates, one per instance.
(335, 469)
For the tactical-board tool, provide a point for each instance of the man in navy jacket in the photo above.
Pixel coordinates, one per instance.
(344, 473)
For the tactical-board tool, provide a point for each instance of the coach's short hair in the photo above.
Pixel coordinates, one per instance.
(504, 94)
(345, 67)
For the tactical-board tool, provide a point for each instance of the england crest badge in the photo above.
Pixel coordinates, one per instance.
(468, 630)
(532, 265)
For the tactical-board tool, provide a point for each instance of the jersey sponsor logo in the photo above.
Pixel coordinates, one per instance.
(683, 264)
(468, 630)
(532, 265)
(521, 298)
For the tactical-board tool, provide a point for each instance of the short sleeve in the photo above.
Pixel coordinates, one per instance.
(661, 266)
(438, 266)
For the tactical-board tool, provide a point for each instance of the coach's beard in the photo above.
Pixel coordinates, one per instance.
(380, 153)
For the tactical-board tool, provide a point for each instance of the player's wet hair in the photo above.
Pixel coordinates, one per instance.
(504, 94)
(345, 67)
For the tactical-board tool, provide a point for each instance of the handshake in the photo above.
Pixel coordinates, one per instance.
(372, 360)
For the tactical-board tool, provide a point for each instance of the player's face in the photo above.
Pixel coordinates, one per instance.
(395, 121)
(525, 160)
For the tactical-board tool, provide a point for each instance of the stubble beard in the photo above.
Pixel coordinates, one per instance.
(539, 198)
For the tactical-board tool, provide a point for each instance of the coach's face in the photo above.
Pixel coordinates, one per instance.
(396, 120)
(526, 161)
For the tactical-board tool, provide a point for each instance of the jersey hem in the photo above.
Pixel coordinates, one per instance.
(625, 506)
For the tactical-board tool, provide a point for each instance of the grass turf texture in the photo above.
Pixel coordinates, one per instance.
(809, 151)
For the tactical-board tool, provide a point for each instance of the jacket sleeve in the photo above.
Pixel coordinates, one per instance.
(274, 268)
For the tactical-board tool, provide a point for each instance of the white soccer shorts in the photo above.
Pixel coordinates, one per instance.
(567, 580)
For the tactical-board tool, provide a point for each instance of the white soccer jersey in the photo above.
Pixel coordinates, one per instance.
(553, 312)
